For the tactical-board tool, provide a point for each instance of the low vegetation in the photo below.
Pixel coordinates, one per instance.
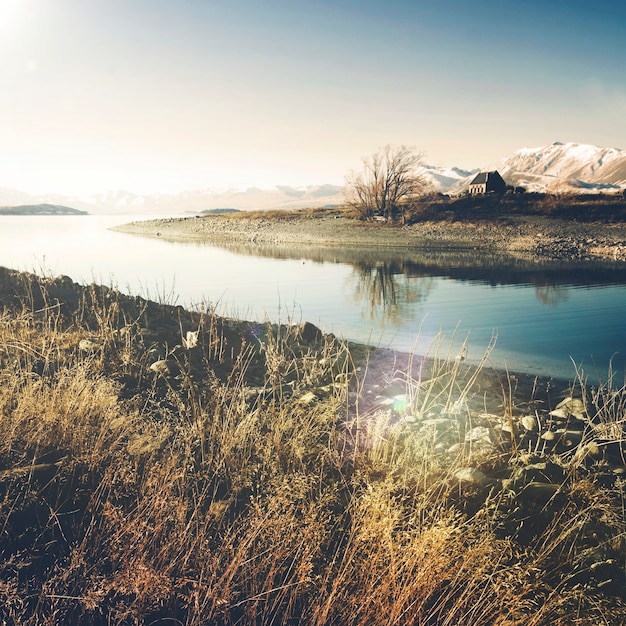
(578, 207)
(590, 208)
(285, 215)
(165, 466)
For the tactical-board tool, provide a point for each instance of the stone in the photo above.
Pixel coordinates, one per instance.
(570, 406)
(307, 399)
(310, 333)
(165, 368)
(88, 346)
(438, 423)
(471, 475)
(539, 493)
(569, 437)
(480, 435)
(529, 423)
(590, 450)
(541, 472)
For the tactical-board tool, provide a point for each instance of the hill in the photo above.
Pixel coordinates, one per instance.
(40, 209)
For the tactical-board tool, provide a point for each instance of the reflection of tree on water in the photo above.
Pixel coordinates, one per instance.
(551, 294)
(389, 290)
(466, 265)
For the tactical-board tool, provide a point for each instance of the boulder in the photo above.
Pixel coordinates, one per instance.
(309, 333)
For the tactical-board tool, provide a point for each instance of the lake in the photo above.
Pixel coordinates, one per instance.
(547, 318)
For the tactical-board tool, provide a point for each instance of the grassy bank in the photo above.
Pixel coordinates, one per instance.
(165, 466)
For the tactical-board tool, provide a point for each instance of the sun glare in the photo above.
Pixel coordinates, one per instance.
(10, 11)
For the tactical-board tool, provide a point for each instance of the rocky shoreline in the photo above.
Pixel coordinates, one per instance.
(527, 236)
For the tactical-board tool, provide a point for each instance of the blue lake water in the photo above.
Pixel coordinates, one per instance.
(547, 319)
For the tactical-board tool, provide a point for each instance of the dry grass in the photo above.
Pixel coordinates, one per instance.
(236, 492)
(286, 215)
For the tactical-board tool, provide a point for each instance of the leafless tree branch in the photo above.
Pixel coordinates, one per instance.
(388, 185)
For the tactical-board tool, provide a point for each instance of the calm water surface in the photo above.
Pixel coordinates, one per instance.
(546, 319)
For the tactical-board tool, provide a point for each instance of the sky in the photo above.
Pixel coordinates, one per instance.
(162, 96)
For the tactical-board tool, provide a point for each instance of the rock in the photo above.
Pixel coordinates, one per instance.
(472, 475)
(164, 367)
(88, 346)
(539, 493)
(480, 435)
(589, 450)
(542, 472)
(570, 407)
(439, 424)
(509, 427)
(307, 399)
(569, 438)
(310, 333)
(529, 423)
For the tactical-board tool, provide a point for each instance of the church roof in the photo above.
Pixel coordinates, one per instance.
(483, 177)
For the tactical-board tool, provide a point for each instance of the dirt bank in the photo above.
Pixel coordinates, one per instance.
(519, 235)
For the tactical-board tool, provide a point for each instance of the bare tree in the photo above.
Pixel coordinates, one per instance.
(388, 186)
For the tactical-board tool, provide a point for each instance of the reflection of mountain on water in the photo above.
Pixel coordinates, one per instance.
(487, 268)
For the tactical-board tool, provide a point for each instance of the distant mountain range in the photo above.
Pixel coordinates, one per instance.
(570, 167)
(189, 202)
(558, 166)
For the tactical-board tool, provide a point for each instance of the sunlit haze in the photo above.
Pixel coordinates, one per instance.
(162, 96)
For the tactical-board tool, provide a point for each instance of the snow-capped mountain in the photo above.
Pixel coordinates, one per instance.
(567, 166)
(581, 165)
(441, 178)
(196, 201)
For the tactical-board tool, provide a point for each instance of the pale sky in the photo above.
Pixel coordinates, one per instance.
(166, 95)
